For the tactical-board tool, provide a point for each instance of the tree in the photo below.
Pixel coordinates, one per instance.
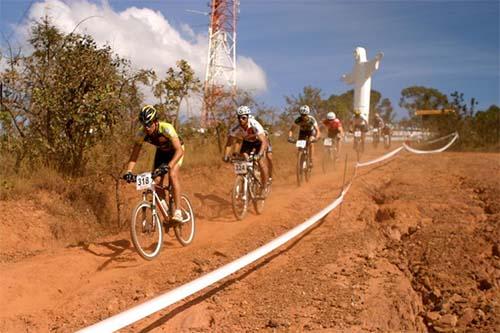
(385, 110)
(487, 126)
(422, 98)
(76, 94)
(310, 96)
(176, 86)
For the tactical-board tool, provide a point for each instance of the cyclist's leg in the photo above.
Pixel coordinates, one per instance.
(337, 143)
(173, 177)
(269, 157)
(161, 157)
(264, 174)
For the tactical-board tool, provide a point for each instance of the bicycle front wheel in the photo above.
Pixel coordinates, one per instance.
(146, 231)
(239, 198)
(184, 231)
(301, 165)
(328, 160)
(307, 167)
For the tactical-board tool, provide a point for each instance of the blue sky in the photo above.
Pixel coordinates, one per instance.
(448, 45)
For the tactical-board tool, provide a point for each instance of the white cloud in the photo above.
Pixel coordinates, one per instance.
(142, 35)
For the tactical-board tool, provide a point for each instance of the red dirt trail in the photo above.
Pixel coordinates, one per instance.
(414, 248)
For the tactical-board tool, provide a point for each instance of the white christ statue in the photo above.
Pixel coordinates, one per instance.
(361, 79)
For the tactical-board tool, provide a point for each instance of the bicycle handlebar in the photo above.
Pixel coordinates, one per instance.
(163, 169)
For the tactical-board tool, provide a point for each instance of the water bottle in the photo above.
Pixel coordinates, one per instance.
(164, 205)
(164, 209)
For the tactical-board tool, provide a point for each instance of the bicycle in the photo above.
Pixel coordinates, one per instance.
(387, 138)
(329, 154)
(145, 224)
(303, 161)
(247, 186)
(376, 137)
(358, 144)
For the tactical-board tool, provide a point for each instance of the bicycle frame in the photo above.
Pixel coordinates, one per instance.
(156, 198)
(250, 176)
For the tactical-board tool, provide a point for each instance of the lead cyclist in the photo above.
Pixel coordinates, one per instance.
(169, 151)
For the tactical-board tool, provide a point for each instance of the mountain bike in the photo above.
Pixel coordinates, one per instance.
(376, 137)
(145, 225)
(387, 138)
(358, 144)
(248, 186)
(303, 161)
(329, 154)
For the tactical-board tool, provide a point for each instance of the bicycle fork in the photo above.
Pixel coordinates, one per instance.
(245, 189)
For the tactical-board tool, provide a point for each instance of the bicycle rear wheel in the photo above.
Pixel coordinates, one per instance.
(185, 230)
(146, 231)
(257, 197)
(239, 198)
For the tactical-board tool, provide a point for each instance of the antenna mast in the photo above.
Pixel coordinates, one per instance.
(221, 63)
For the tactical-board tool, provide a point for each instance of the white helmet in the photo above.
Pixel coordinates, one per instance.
(330, 116)
(243, 110)
(304, 109)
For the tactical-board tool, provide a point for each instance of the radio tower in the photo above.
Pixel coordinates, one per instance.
(220, 74)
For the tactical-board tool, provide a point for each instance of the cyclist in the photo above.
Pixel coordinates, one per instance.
(269, 156)
(169, 152)
(254, 138)
(359, 123)
(334, 128)
(378, 122)
(386, 130)
(308, 130)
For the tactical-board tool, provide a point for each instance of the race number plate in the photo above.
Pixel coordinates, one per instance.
(300, 144)
(143, 181)
(240, 168)
(327, 142)
(375, 131)
(357, 134)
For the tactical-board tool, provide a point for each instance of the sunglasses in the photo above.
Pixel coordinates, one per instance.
(242, 117)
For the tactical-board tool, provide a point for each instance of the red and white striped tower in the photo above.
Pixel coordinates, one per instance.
(221, 65)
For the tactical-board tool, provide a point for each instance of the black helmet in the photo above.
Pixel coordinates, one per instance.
(147, 115)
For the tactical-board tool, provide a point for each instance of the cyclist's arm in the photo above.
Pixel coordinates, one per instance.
(263, 147)
(318, 133)
(179, 152)
(133, 157)
(229, 143)
(290, 132)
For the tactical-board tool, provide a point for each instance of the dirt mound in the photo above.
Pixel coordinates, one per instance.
(413, 248)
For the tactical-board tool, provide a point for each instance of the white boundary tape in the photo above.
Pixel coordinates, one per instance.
(156, 304)
(381, 158)
(441, 138)
(440, 150)
(147, 308)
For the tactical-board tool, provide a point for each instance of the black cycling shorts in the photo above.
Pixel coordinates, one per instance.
(163, 157)
(304, 135)
(248, 146)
